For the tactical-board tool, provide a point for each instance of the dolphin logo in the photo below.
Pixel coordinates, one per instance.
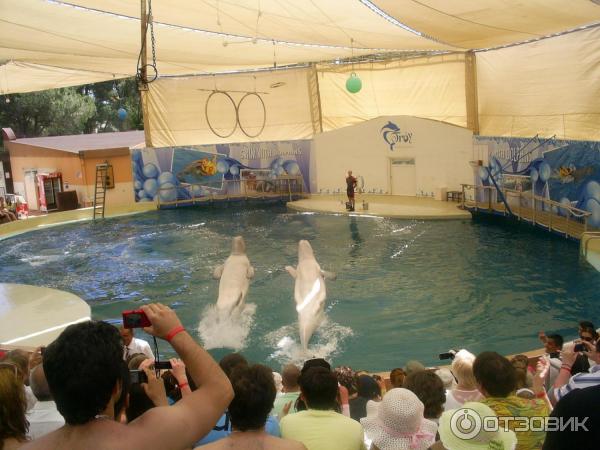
(392, 135)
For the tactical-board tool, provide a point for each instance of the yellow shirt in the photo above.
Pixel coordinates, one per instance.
(323, 430)
(513, 406)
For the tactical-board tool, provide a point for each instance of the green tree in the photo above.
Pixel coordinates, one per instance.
(53, 112)
(109, 97)
(92, 108)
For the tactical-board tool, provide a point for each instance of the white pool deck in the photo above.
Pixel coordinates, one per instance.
(32, 316)
(399, 207)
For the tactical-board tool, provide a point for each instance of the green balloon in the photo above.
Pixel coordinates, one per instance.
(353, 83)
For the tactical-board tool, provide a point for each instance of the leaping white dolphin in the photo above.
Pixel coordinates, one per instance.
(309, 291)
(235, 275)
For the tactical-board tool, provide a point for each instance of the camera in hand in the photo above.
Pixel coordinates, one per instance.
(135, 319)
(450, 354)
(580, 348)
(137, 377)
(162, 365)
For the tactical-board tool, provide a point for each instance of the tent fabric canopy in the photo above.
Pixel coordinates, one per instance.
(101, 38)
(535, 68)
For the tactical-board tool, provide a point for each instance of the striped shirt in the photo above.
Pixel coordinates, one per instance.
(579, 381)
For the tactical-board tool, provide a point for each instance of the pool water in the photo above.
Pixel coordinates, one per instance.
(405, 289)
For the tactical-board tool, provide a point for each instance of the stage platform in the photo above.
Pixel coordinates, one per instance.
(395, 206)
(32, 316)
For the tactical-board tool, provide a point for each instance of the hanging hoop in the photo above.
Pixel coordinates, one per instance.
(237, 119)
(264, 114)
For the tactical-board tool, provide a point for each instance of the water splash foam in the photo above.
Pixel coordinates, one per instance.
(326, 343)
(218, 330)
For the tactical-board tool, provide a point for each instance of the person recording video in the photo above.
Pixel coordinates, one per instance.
(84, 368)
(350, 185)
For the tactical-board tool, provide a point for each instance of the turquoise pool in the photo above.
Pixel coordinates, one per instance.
(405, 289)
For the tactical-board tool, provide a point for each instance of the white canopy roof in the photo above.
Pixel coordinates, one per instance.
(51, 43)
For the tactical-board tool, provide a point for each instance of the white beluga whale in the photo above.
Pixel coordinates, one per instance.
(235, 275)
(309, 292)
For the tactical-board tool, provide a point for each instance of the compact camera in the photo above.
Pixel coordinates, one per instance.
(137, 377)
(135, 319)
(450, 354)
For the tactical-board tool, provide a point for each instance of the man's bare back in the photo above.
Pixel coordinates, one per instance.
(252, 440)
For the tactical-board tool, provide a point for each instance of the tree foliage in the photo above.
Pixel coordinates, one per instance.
(91, 108)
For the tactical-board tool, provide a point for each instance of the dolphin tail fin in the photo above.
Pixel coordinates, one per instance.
(329, 275)
(218, 272)
(291, 271)
(250, 272)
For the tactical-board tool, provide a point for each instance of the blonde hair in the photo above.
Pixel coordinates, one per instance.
(12, 407)
(462, 368)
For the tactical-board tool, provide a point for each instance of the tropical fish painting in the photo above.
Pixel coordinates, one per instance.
(570, 173)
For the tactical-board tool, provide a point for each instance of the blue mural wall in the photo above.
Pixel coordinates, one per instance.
(184, 173)
(564, 171)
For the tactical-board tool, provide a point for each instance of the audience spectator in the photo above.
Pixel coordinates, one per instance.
(84, 368)
(553, 345)
(428, 387)
(466, 388)
(347, 378)
(399, 423)
(483, 439)
(381, 383)
(13, 425)
(255, 392)
(320, 427)
(368, 392)
(397, 377)
(590, 335)
(20, 358)
(145, 396)
(582, 406)
(585, 324)
(566, 383)
(133, 345)
(342, 400)
(291, 390)
(447, 378)
(5, 214)
(524, 378)
(413, 366)
(229, 364)
(43, 418)
(497, 381)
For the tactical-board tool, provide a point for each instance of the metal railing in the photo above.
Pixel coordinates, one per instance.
(284, 187)
(539, 211)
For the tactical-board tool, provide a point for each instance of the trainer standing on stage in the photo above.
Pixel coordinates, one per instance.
(350, 185)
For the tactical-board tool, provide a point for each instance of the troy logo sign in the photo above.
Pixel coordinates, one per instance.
(392, 135)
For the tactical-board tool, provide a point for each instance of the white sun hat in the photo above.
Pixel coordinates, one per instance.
(399, 423)
(463, 429)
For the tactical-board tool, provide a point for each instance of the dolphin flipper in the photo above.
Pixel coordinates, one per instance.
(329, 275)
(291, 271)
(218, 272)
(250, 272)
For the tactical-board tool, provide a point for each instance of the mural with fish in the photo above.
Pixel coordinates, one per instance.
(564, 171)
(183, 173)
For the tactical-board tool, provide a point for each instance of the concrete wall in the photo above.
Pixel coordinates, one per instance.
(441, 151)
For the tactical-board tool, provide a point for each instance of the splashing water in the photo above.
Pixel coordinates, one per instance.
(219, 330)
(325, 343)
